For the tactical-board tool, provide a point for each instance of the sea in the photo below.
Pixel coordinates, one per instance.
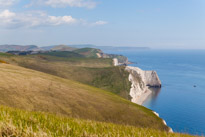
(181, 100)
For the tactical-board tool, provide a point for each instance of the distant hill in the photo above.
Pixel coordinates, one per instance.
(61, 51)
(108, 48)
(48, 47)
(103, 48)
(62, 48)
(88, 52)
(73, 46)
(5, 48)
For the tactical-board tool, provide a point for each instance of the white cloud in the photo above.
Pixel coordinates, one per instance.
(6, 17)
(100, 22)
(38, 18)
(32, 19)
(65, 3)
(7, 14)
(61, 20)
(6, 3)
(71, 3)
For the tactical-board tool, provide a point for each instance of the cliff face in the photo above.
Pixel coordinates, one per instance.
(141, 81)
(152, 79)
(115, 62)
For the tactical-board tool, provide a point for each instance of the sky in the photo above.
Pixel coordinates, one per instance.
(166, 24)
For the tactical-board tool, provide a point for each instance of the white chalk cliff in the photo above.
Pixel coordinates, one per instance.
(115, 62)
(141, 81)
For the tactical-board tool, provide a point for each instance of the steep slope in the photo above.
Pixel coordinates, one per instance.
(96, 72)
(32, 90)
(14, 122)
(142, 81)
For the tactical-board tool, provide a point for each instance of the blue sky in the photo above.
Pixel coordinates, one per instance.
(151, 23)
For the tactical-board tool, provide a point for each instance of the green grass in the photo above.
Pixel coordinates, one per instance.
(88, 52)
(63, 48)
(114, 79)
(67, 54)
(92, 71)
(15, 122)
(35, 91)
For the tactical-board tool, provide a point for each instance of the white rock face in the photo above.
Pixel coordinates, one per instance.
(152, 79)
(115, 62)
(141, 80)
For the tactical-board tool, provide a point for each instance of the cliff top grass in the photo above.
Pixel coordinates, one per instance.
(36, 91)
(88, 52)
(96, 72)
(15, 122)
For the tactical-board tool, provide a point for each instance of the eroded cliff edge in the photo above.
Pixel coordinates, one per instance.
(141, 82)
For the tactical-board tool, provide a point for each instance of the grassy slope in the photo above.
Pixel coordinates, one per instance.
(32, 90)
(67, 54)
(63, 48)
(23, 123)
(92, 71)
(88, 52)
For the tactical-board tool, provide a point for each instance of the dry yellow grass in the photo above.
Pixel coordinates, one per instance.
(18, 123)
(91, 71)
(35, 91)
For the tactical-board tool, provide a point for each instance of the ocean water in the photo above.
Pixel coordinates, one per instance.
(179, 102)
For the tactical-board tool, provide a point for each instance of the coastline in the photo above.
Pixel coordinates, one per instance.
(141, 81)
(139, 94)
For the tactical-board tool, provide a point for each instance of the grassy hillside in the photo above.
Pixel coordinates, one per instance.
(67, 54)
(92, 71)
(14, 122)
(63, 48)
(88, 52)
(32, 90)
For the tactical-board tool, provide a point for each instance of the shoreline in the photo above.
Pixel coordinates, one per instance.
(139, 90)
(141, 81)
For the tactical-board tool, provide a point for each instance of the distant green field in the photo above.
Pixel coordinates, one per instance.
(15, 122)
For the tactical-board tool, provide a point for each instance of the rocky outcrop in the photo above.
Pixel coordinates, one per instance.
(152, 79)
(141, 81)
(115, 62)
